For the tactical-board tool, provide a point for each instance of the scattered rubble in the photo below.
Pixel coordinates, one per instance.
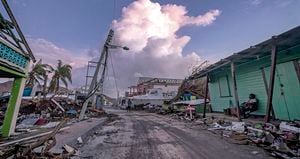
(281, 140)
(37, 124)
(79, 140)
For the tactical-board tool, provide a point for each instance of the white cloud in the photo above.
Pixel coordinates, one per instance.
(50, 53)
(143, 22)
(149, 30)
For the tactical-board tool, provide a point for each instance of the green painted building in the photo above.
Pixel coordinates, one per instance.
(15, 57)
(252, 72)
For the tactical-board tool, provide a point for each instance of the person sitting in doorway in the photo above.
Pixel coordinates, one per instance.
(250, 105)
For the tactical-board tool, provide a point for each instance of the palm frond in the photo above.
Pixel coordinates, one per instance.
(65, 82)
(62, 73)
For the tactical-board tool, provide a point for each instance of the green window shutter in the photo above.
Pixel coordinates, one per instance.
(224, 88)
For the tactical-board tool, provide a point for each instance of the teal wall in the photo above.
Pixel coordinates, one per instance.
(286, 99)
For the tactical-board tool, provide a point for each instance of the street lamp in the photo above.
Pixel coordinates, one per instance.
(111, 46)
(117, 46)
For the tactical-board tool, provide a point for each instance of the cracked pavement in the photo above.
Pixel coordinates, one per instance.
(136, 135)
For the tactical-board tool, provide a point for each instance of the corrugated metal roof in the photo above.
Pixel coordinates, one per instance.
(284, 41)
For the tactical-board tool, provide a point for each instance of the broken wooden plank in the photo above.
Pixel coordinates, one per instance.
(58, 105)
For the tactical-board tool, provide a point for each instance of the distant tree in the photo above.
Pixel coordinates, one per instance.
(62, 73)
(37, 73)
(45, 77)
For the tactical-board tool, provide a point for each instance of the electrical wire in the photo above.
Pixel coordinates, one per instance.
(114, 74)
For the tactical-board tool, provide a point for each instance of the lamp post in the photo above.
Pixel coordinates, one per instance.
(107, 46)
(95, 84)
(110, 46)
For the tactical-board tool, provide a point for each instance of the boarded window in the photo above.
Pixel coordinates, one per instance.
(224, 87)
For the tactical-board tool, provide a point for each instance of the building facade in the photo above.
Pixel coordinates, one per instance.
(252, 70)
(145, 84)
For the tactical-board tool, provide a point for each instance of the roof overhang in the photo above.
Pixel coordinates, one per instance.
(284, 42)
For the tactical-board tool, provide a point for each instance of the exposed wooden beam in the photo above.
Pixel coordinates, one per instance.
(206, 95)
(209, 70)
(272, 79)
(267, 88)
(236, 97)
(16, 25)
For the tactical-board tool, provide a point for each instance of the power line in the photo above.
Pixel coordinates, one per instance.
(114, 74)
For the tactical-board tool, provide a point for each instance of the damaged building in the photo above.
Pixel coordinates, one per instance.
(273, 63)
(168, 86)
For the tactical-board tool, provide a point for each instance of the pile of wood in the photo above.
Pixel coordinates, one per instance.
(26, 148)
(196, 87)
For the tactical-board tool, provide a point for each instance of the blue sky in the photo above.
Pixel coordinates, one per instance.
(83, 24)
(71, 30)
(78, 24)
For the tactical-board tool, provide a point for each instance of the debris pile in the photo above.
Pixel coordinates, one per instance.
(37, 146)
(282, 140)
(37, 124)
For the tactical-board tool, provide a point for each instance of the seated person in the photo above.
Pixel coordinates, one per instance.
(249, 106)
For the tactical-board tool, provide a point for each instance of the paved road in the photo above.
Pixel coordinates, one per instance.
(139, 135)
(70, 135)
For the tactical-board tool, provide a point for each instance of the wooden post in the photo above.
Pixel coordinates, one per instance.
(236, 97)
(267, 88)
(272, 79)
(13, 107)
(206, 95)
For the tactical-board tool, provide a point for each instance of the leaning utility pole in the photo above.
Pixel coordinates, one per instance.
(95, 86)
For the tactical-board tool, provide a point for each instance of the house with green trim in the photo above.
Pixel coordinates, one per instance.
(232, 79)
(15, 57)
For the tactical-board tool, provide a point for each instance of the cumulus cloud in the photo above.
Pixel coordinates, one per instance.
(149, 30)
(143, 22)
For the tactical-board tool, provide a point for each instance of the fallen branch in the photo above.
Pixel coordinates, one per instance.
(29, 138)
(43, 140)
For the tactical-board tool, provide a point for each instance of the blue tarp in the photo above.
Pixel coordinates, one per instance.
(27, 92)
